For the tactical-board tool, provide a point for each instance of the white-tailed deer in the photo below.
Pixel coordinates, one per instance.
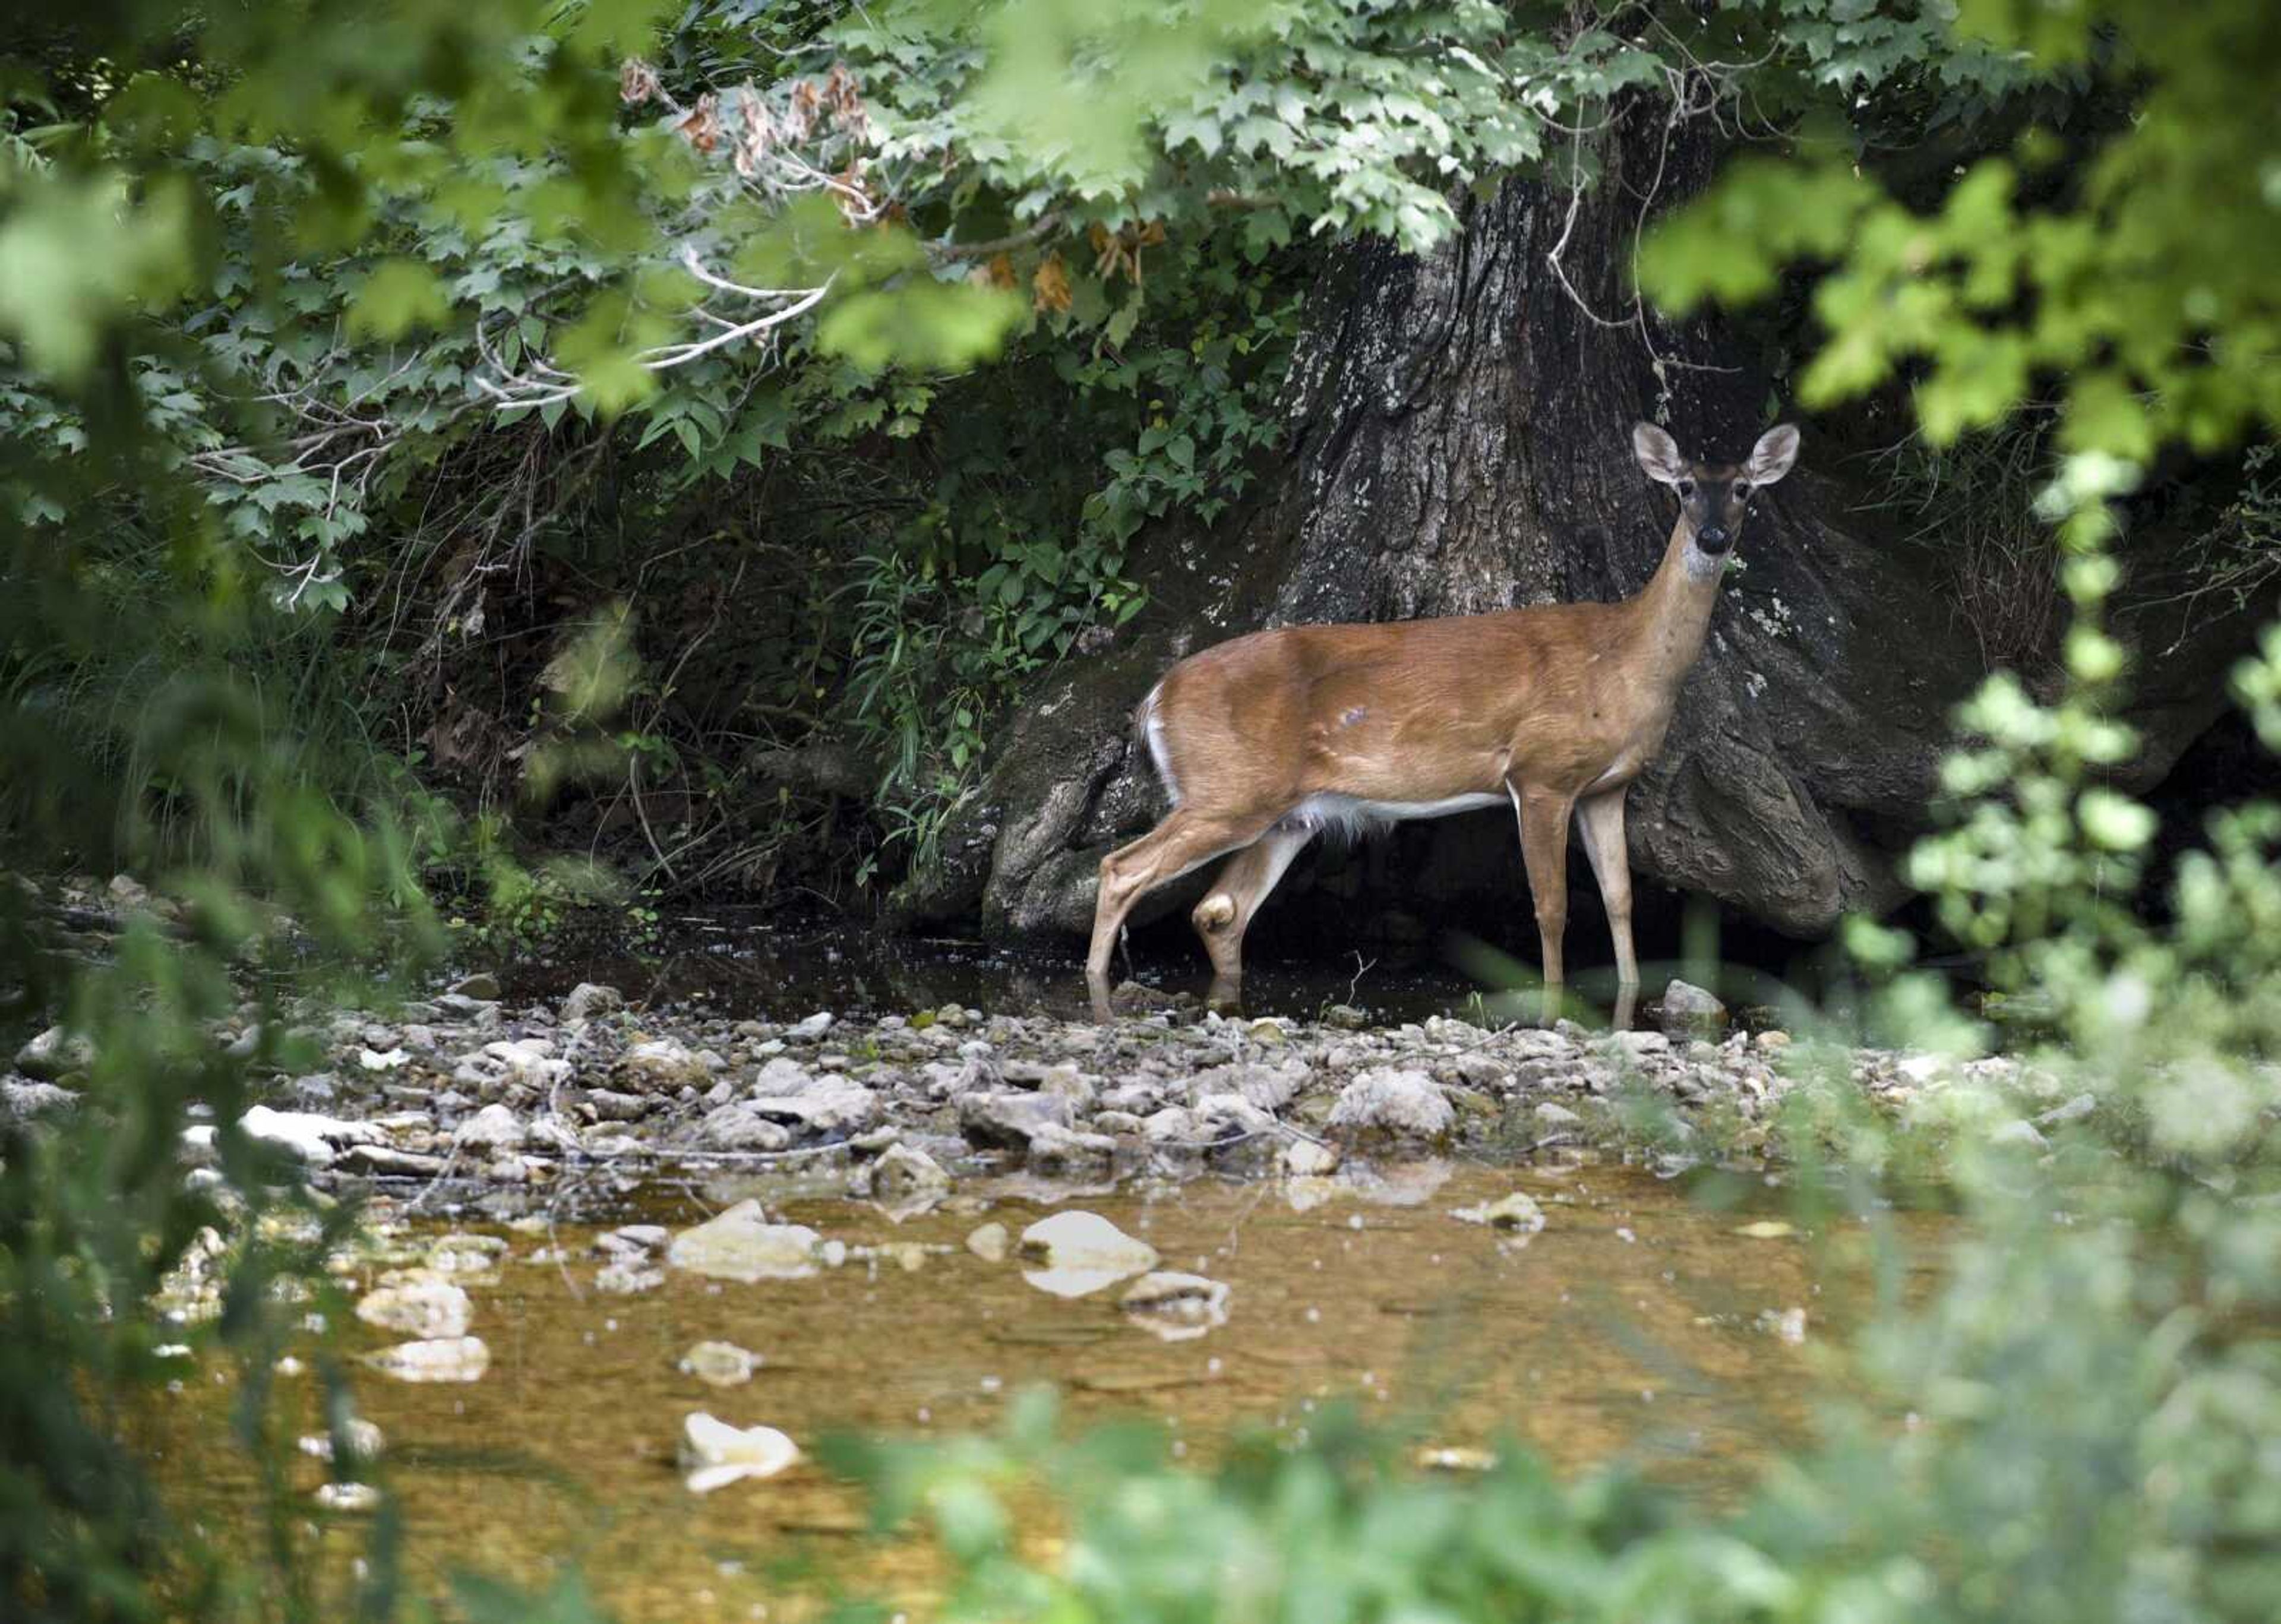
(1265, 740)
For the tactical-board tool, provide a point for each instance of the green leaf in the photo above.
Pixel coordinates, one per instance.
(398, 297)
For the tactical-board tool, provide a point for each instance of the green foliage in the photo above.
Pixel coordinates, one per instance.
(2129, 275)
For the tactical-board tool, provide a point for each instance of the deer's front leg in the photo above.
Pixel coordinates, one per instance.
(1544, 851)
(1600, 819)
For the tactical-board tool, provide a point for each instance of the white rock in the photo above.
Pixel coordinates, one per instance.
(1788, 1324)
(1082, 1252)
(1305, 1158)
(1391, 1101)
(312, 1139)
(495, 1127)
(382, 1059)
(988, 1243)
(828, 1108)
(347, 1496)
(741, 1244)
(461, 1358)
(715, 1454)
(423, 1305)
(1919, 1069)
(720, 1365)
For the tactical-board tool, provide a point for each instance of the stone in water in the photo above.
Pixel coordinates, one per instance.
(720, 1365)
(1176, 1307)
(715, 1454)
(458, 1358)
(741, 1244)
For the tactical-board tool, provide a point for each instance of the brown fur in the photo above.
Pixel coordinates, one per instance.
(1557, 707)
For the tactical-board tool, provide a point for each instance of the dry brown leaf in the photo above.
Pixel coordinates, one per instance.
(1050, 286)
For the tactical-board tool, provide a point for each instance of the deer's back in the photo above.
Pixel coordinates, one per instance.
(1414, 712)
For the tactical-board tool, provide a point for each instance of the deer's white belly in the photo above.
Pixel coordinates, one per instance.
(1328, 811)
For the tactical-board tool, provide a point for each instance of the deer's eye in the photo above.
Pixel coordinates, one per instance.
(1742, 492)
(1687, 487)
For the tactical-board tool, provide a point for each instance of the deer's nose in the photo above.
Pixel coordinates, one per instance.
(1712, 538)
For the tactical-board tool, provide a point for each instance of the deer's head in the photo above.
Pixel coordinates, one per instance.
(1715, 500)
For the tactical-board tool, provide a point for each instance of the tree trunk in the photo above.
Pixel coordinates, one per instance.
(1459, 441)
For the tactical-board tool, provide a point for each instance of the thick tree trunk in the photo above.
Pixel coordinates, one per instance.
(1459, 442)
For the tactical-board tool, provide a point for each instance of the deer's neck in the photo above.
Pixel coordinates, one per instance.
(1676, 608)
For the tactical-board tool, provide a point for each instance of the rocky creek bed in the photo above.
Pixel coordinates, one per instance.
(507, 1104)
(468, 1098)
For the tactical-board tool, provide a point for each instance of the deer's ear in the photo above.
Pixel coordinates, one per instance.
(1657, 454)
(1774, 455)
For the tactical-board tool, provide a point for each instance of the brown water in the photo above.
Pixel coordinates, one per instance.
(1630, 1327)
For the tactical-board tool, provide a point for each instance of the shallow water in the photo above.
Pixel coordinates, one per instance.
(1630, 1327)
(732, 962)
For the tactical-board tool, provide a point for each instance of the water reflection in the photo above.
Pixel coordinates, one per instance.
(1632, 1324)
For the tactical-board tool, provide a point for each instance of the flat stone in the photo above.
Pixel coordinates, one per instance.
(738, 1126)
(313, 1140)
(1270, 1087)
(388, 1162)
(422, 1305)
(462, 1359)
(1006, 1121)
(715, 1454)
(829, 1108)
(740, 1244)
(1079, 1240)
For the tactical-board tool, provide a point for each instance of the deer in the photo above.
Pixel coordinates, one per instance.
(1264, 741)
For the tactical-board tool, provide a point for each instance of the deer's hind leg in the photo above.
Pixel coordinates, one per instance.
(1186, 839)
(1226, 911)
